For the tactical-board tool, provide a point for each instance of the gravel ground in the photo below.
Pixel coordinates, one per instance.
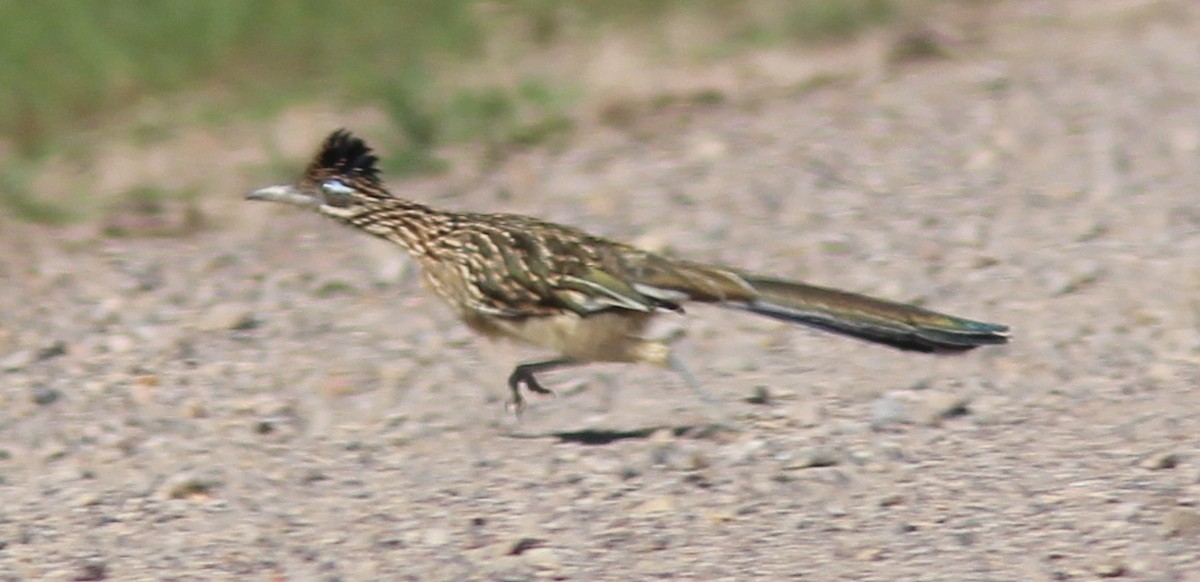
(280, 400)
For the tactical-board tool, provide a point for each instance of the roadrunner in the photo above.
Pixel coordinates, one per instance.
(583, 297)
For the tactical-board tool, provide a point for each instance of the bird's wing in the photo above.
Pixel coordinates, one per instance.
(516, 267)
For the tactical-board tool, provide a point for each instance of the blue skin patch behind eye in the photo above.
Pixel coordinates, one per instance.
(336, 187)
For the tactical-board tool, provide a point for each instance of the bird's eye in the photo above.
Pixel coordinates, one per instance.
(337, 193)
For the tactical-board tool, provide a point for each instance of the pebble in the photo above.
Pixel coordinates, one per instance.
(707, 148)
(45, 396)
(86, 500)
(544, 558)
(525, 544)
(187, 486)
(1081, 277)
(108, 311)
(654, 506)
(652, 242)
(55, 349)
(17, 360)
(1159, 461)
(1181, 521)
(436, 536)
(935, 406)
(760, 396)
(745, 451)
(144, 389)
(926, 407)
(118, 343)
(1111, 568)
(888, 410)
(91, 571)
(813, 457)
(807, 414)
(226, 316)
(598, 465)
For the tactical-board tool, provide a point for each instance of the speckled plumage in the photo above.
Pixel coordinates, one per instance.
(584, 297)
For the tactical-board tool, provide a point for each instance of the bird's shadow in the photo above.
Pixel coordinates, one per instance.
(601, 436)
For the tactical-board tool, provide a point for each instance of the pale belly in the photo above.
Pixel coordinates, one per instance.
(604, 337)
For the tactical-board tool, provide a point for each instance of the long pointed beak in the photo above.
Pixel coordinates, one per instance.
(283, 193)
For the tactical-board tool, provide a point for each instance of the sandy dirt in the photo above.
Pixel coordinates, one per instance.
(278, 399)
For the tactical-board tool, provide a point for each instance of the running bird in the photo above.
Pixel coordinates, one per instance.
(581, 296)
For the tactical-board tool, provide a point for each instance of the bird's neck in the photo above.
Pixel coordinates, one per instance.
(412, 225)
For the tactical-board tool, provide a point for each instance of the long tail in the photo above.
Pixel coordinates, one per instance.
(906, 327)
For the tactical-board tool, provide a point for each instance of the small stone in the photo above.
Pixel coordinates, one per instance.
(118, 343)
(761, 396)
(869, 554)
(144, 389)
(227, 316)
(888, 410)
(1159, 461)
(934, 407)
(87, 500)
(891, 500)
(17, 360)
(524, 545)
(1128, 511)
(745, 451)
(44, 396)
(697, 460)
(654, 506)
(148, 380)
(807, 414)
(600, 465)
(1081, 277)
(668, 454)
(187, 486)
(1110, 569)
(194, 409)
(436, 536)
(91, 571)
(815, 457)
(333, 288)
(1181, 522)
(58, 348)
(1162, 371)
(543, 558)
(109, 310)
(708, 148)
(651, 242)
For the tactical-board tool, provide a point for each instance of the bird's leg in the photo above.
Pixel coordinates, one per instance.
(524, 374)
(676, 364)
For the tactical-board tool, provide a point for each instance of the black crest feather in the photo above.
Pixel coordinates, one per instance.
(343, 154)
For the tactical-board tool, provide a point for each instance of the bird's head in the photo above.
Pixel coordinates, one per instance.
(341, 180)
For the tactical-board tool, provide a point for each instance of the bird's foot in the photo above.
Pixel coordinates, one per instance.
(523, 376)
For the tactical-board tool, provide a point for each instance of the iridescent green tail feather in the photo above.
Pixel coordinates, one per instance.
(906, 327)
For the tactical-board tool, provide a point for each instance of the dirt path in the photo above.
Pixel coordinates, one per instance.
(280, 401)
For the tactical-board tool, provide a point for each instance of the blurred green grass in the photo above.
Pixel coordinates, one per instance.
(69, 66)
